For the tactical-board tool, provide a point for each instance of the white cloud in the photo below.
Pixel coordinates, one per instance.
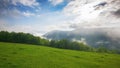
(28, 14)
(63, 27)
(36, 25)
(29, 3)
(36, 29)
(3, 24)
(100, 15)
(56, 2)
(11, 13)
(15, 13)
(33, 29)
(93, 13)
(82, 40)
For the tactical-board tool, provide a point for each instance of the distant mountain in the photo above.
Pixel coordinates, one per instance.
(92, 37)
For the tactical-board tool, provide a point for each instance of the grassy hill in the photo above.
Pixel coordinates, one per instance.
(14, 55)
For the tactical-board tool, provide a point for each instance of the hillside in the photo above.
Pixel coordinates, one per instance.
(14, 55)
(93, 37)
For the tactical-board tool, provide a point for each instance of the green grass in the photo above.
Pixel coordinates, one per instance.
(14, 55)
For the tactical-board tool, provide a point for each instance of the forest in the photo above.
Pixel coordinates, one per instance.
(28, 38)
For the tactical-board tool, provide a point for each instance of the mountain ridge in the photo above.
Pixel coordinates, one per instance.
(93, 37)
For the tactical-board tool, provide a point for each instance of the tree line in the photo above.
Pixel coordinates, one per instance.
(63, 44)
(21, 38)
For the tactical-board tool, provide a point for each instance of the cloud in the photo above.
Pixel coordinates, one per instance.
(3, 25)
(29, 3)
(4, 4)
(56, 2)
(63, 27)
(100, 15)
(35, 25)
(28, 14)
(82, 40)
(6, 26)
(79, 14)
(9, 9)
(93, 13)
(117, 13)
(13, 13)
(33, 28)
(16, 14)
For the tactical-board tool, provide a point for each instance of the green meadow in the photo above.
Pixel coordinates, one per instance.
(14, 55)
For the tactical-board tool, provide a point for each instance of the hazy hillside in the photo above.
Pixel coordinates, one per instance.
(93, 37)
(13, 55)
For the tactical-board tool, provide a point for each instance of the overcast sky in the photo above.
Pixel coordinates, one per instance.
(41, 16)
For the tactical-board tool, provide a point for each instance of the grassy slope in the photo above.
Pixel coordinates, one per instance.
(13, 55)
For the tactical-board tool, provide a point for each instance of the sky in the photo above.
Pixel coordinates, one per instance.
(41, 16)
